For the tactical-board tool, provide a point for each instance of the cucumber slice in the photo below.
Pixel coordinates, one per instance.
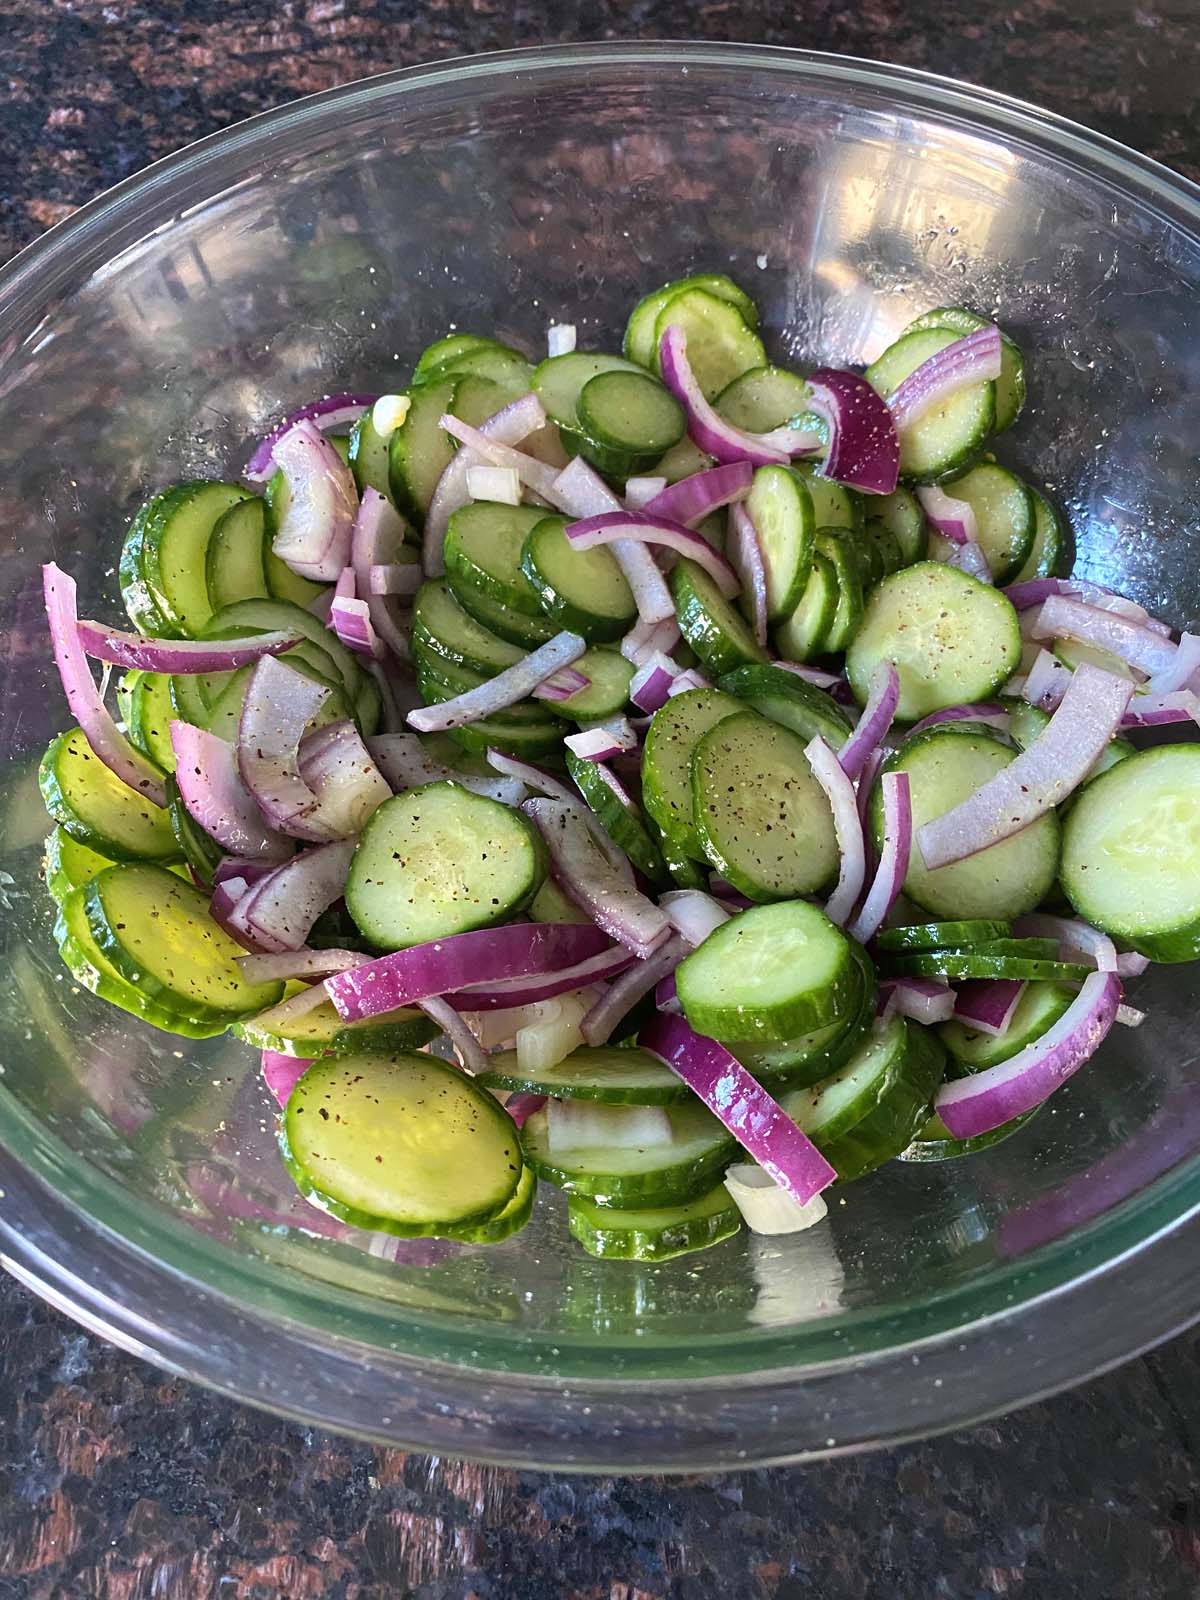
(627, 1076)
(96, 808)
(156, 931)
(1034, 949)
(559, 382)
(438, 680)
(550, 904)
(368, 457)
(787, 699)
(483, 550)
(506, 370)
(435, 356)
(399, 1143)
(1010, 385)
(1131, 852)
(828, 1110)
(682, 461)
(886, 555)
(716, 632)
(845, 559)
(903, 1109)
(765, 398)
(267, 616)
(802, 635)
(440, 860)
(653, 1233)
(68, 864)
(201, 852)
(685, 874)
(530, 741)
(1073, 654)
(952, 638)
(805, 1060)
(630, 411)
(583, 590)
(834, 505)
(505, 1223)
(935, 1143)
(721, 343)
(939, 935)
(781, 510)
(174, 552)
(607, 694)
(899, 515)
(140, 604)
(513, 626)
(763, 819)
(225, 714)
(322, 1032)
(443, 628)
(623, 826)
(148, 714)
(641, 340)
(477, 398)
(945, 764)
(1004, 515)
(420, 451)
(623, 1175)
(959, 964)
(671, 739)
(282, 582)
(187, 702)
(233, 564)
(1039, 1008)
(1049, 554)
(769, 973)
(947, 437)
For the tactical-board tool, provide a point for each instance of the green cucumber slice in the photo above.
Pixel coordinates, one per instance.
(802, 636)
(671, 739)
(201, 852)
(435, 356)
(790, 701)
(483, 550)
(958, 964)
(623, 826)
(420, 451)
(1039, 1008)
(641, 338)
(440, 860)
(834, 505)
(934, 1141)
(1004, 515)
(765, 398)
(1050, 553)
(721, 343)
(559, 382)
(844, 556)
(399, 1143)
(442, 627)
(583, 590)
(715, 630)
(505, 1223)
(513, 626)
(267, 616)
(764, 821)
(140, 604)
(939, 935)
(899, 516)
(625, 1076)
(321, 1032)
(653, 1233)
(902, 1110)
(826, 1111)
(948, 436)
(174, 552)
(630, 411)
(68, 864)
(769, 973)
(368, 457)
(233, 564)
(607, 694)
(148, 714)
(781, 509)
(92, 804)
(1010, 385)
(529, 741)
(952, 638)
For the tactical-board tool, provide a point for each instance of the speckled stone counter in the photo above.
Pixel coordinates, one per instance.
(116, 1481)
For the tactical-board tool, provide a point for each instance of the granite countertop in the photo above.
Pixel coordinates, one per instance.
(117, 1481)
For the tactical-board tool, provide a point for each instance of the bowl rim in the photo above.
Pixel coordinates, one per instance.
(53, 1245)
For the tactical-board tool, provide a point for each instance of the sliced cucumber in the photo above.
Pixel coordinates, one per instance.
(282, 582)
(769, 973)
(950, 434)
(322, 1032)
(368, 457)
(790, 701)
(715, 630)
(483, 551)
(174, 552)
(439, 679)
(1004, 515)
(682, 460)
(440, 860)
(513, 626)
(623, 826)
(958, 964)
(903, 1109)
(443, 627)
(884, 547)
(550, 904)
(234, 564)
(96, 808)
(763, 819)
(945, 765)
(530, 741)
(899, 515)
(198, 848)
(399, 1143)
(653, 1233)
(671, 739)
(1131, 852)
(607, 694)
(148, 714)
(559, 381)
(625, 1076)
(802, 635)
(641, 337)
(828, 1110)
(505, 1223)
(267, 616)
(1010, 385)
(765, 398)
(796, 1063)
(140, 603)
(506, 370)
(436, 356)
(583, 590)
(666, 1174)
(838, 547)
(420, 451)
(1050, 553)
(940, 935)
(952, 638)
(781, 509)
(934, 1141)
(631, 412)
(721, 343)
(68, 864)
(834, 505)
(1039, 1008)
(477, 398)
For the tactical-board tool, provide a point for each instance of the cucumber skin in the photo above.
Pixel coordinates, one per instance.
(902, 1111)
(507, 1222)
(718, 650)
(625, 829)
(946, 1149)
(350, 1039)
(673, 1237)
(771, 691)
(63, 813)
(667, 1186)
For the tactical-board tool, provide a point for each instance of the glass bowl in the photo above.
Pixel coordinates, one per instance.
(318, 248)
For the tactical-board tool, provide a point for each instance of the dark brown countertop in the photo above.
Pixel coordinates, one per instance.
(116, 1481)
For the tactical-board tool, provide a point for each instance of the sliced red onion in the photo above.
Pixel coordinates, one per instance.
(313, 536)
(640, 491)
(817, 676)
(603, 740)
(395, 577)
(283, 1016)
(402, 759)
(866, 783)
(877, 715)
(334, 411)
(1048, 680)
(650, 686)
(301, 963)
(518, 992)
(279, 912)
(616, 788)
(972, 359)
(723, 890)
(757, 1122)
(697, 496)
(560, 338)
(178, 655)
(1159, 710)
(505, 689)
(864, 446)
(249, 868)
(487, 956)
(710, 431)
(1063, 618)
(625, 992)
(471, 1054)
(375, 541)
(510, 426)
(545, 783)
(1075, 937)
(226, 897)
(647, 639)
(215, 797)
(500, 484)
(984, 1100)
(953, 519)
(339, 769)
(1042, 776)
(391, 717)
(282, 1073)
(746, 559)
(1131, 965)
(280, 703)
(689, 678)
(617, 527)
(561, 685)
(531, 472)
(1183, 669)
(925, 1000)
(521, 1107)
(967, 556)
(1130, 1016)
(590, 879)
(1023, 596)
(839, 791)
(350, 618)
(693, 913)
(580, 492)
(987, 1004)
(893, 857)
(106, 740)
(666, 996)
(994, 715)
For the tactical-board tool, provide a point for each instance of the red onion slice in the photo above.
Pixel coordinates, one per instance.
(710, 431)
(666, 996)
(925, 1000)
(1047, 682)
(505, 689)
(1183, 669)
(471, 1054)
(987, 1004)
(178, 656)
(1131, 965)
(625, 992)
(106, 740)
(994, 715)
(484, 957)
(534, 474)
(872, 727)
(350, 618)
(864, 446)
(580, 492)
(508, 994)
(697, 496)
(313, 536)
(694, 914)
(757, 1122)
(301, 963)
(402, 759)
(1063, 618)
(646, 639)
(650, 686)
(279, 912)
(839, 791)
(746, 559)
(334, 411)
(338, 768)
(375, 540)
(1159, 710)
(1045, 773)
(615, 527)
(953, 519)
(215, 797)
(866, 783)
(973, 359)
(545, 783)
(561, 685)
(1076, 939)
(603, 741)
(395, 577)
(521, 1107)
(966, 555)
(561, 338)
(814, 675)
(688, 679)
(984, 1100)
(1023, 596)
(590, 879)
(282, 1073)
(510, 426)
(893, 857)
(640, 491)
(280, 703)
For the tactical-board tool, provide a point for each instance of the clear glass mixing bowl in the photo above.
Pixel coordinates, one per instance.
(318, 248)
